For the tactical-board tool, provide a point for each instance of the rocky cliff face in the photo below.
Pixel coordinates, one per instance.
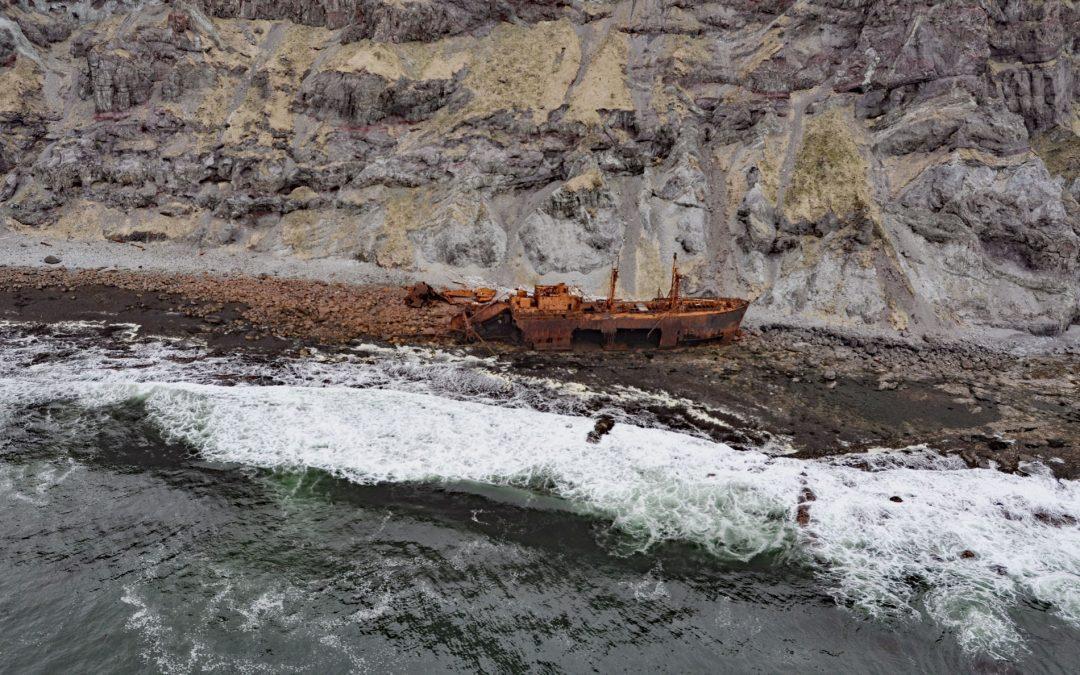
(884, 162)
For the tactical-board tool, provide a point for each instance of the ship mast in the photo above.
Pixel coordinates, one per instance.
(676, 279)
(611, 288)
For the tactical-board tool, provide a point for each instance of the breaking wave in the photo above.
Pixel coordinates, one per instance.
(892, 534)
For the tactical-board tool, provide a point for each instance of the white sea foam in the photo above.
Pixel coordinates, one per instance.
(977, 540)
(74, 350)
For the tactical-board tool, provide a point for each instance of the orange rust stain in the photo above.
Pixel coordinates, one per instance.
(556, 318)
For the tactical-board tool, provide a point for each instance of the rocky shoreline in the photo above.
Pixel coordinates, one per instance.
(811, 391)
(257, 307)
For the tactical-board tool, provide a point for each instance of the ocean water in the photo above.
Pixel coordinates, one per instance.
(407, 510)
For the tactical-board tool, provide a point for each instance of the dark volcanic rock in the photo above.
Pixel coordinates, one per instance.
(365, 98)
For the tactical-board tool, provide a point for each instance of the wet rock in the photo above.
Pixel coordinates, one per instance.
(51, 260)
(970, 458)
(604, 424)
(1055, 519)
(802, 515)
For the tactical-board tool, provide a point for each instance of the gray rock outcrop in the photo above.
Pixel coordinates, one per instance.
(891, 163)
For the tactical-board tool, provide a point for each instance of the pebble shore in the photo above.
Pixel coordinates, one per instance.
(290, 308)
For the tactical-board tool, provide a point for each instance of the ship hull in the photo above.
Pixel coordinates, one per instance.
(622, 330)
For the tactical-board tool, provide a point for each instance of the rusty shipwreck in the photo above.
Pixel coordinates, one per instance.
(558, 318)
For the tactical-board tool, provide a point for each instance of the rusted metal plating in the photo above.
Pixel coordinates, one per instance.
(557, 318)
(421, 294)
